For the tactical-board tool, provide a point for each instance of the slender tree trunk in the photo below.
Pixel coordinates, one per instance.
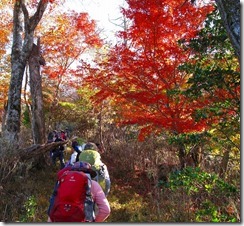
(100, 119)
(18, 62)
(182, 156)
(230, 12)
(37, 114)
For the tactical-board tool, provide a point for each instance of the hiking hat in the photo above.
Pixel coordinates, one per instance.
(91, 146)
(84, 167)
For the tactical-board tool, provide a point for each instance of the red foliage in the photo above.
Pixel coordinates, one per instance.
(142, 75)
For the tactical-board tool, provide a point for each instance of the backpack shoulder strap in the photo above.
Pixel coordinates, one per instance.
(89, 202)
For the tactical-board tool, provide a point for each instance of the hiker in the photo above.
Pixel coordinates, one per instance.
(63, 135)
(67, 133)
(58, 152)
(51, 136)
(74, 185)
(91, 155)
(77, 150)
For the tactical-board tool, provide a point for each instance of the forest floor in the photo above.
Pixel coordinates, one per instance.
(133, 198)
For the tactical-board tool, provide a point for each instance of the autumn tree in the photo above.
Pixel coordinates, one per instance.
(23, 36)
(5, 30)
(142, 76)
(65, 39)
(69, 42)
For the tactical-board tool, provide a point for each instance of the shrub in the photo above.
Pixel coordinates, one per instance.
(209, 195)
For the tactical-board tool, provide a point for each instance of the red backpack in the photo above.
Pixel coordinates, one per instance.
(73, 201)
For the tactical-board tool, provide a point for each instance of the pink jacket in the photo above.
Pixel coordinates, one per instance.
(102, 208)
(101, 201)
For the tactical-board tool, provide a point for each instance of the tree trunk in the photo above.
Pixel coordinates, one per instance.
(196, 155)
(100, 121)
(182, 156)
(37, 114)
(20, 53)
(230, 12)
(12, 126)
(224, 164)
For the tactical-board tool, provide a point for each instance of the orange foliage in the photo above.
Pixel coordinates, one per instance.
(65, 38)
(5, 28)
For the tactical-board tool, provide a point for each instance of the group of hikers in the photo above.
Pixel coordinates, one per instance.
(82, 185)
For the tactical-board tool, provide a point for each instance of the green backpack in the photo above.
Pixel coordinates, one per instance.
(92, 157)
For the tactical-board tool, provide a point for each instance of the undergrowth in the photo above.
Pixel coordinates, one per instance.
(189, 196)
